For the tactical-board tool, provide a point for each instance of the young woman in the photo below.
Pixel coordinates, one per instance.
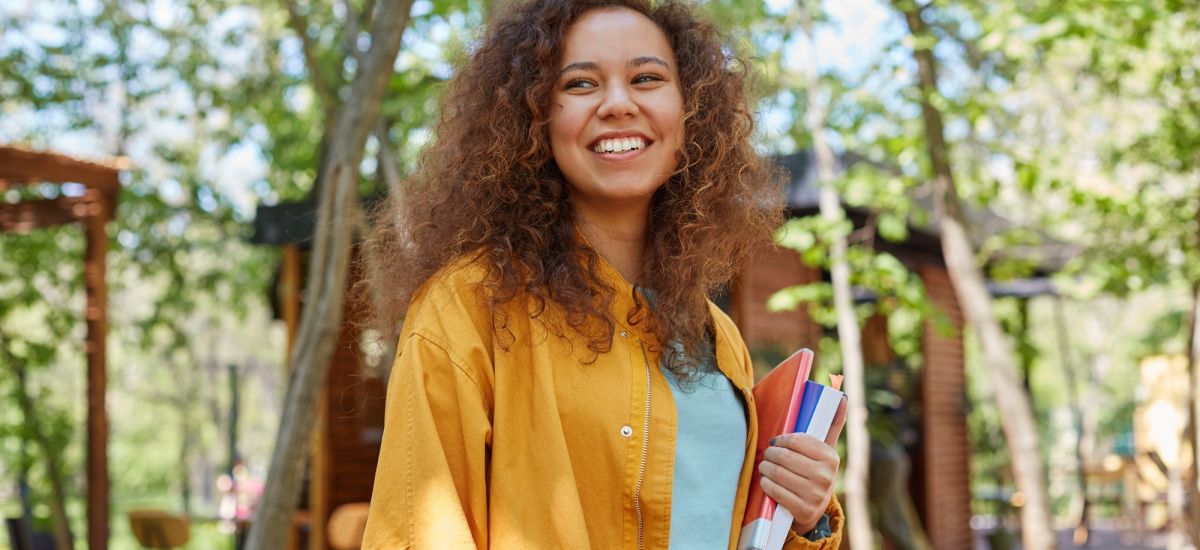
(561, 379)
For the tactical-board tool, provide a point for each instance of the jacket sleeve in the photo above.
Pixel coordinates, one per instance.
(431, 483)
(837, 519)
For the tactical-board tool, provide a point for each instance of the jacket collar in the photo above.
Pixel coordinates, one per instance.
(623, 297)
(727, 357)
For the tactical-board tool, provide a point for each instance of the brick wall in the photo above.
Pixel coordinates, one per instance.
(943, 464)
(769, 273)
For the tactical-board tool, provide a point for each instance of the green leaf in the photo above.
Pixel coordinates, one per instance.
(892, 227)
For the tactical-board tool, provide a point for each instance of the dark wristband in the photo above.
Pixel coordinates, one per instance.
(820, 531)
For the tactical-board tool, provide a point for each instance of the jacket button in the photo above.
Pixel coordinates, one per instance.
(624, 334)
(626, 431)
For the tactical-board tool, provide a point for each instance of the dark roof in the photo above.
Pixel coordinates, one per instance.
(294, 222)
(802, 190)
(285, 223)
(1023, 288)
(803, 193)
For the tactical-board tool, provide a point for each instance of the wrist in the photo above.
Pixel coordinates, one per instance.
(815, 531)
(801, 528)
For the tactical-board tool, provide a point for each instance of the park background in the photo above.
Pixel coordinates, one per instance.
(1070, 133)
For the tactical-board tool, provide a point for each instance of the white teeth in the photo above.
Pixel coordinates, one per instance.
(619, 145)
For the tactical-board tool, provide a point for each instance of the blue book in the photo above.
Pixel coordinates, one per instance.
(818, 406)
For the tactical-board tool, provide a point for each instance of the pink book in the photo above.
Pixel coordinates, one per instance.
(777, 400)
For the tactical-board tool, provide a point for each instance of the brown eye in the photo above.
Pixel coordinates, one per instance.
(646, 77)
(579, 83)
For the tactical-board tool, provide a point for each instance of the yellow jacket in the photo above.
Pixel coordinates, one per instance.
(527, 447)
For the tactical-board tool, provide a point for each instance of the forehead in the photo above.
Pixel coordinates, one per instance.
(615, 34)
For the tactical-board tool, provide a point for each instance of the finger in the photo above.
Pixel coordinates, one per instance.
(804, 444)
(804, 510)
(781, 493)
(839, 422)
(820, 470)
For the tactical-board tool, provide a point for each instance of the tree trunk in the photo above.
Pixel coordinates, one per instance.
(235, 405)
(1026, 358)
(327, 278)
(185, 454)
(858, 443)
(58, 497)
(1015, 409)
(1082, 534)
(1175, 508)
(1193, 490)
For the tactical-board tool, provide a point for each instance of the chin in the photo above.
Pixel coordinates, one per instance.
(630, 187)
(628, 191)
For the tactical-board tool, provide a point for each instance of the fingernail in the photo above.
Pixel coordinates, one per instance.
(772, 441)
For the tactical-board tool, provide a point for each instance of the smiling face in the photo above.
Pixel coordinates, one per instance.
(618, 120)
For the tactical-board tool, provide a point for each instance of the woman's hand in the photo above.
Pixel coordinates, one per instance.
(798, 471)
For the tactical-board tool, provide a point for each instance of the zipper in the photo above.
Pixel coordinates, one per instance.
(637, 490)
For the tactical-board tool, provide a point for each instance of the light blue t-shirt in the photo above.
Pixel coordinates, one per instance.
(709, 450)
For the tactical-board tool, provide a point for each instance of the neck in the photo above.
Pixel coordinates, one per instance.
(618, 235)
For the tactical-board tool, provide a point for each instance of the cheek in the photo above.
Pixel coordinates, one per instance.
(672, 121)
(673, 129)
(558, 126)
(557, 129)
(560, 139)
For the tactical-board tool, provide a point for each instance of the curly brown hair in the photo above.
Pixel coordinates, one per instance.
(489, 186)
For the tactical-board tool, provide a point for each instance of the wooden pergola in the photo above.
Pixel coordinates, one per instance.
(92, 209)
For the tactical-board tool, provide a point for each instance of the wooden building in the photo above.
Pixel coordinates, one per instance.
(86, 195)
(350, 415)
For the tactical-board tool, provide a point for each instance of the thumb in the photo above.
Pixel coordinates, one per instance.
(839, 422)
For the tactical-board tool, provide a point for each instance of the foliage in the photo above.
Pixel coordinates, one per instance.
(1074, 122)
(128, 78)
(36, 309)
(1078, 122)
(895, 291)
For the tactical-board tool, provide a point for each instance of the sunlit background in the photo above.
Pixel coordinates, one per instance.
(1073, 129)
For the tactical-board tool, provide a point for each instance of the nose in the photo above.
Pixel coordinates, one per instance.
(618, 102)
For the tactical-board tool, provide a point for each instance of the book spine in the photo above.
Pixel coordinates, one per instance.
(825, 402)
(808, 404)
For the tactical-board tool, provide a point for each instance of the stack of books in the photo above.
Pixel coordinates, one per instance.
(786, 401)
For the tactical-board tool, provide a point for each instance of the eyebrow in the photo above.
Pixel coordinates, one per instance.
(635, 62)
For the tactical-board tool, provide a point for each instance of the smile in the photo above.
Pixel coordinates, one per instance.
(619, 145)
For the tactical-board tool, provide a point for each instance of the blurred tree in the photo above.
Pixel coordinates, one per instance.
(837, 111)
(1116, 149)
(43, 428)
(213, 103)
(858, 449)
(128, 78)
(338, 217)
(976, 301)
(1158, 68)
